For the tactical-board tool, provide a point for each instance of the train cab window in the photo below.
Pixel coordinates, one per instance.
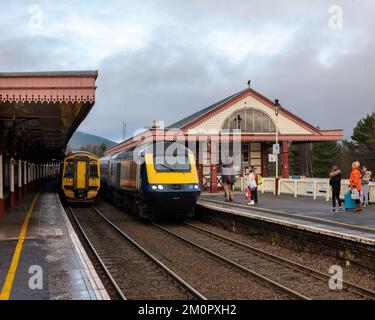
(94, 170)
(170, 157)
(69, 169)
(172, 164)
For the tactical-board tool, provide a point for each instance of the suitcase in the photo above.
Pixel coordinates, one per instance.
(349, 202)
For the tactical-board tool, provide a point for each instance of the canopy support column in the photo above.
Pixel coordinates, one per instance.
(213, 167)
(285, 158)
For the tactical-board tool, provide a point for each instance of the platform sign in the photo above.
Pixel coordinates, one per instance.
(276, 148)
(272, 157)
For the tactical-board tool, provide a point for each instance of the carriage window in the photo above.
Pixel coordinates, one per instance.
(69, 170)
(94, 170)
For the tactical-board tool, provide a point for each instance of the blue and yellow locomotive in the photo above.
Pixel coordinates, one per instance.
(147, 182)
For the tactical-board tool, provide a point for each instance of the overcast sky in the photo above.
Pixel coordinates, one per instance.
(164, 60)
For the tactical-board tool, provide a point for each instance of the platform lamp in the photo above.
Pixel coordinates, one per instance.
(277, 109)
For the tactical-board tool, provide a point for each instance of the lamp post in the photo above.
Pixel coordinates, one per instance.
(124, 133)
(277, 108)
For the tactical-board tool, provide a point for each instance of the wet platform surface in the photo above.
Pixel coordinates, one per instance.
(52, 263)
(301, 211)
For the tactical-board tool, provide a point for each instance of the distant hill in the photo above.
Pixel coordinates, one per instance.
(80, 139)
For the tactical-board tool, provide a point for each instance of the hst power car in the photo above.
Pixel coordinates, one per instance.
(151, 181)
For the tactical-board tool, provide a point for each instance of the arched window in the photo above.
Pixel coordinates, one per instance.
(250, 121)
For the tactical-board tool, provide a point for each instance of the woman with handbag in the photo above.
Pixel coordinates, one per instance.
(252, 186)
(355, 184)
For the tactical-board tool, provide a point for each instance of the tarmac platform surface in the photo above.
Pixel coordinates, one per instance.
(301, 212)
(41, 256)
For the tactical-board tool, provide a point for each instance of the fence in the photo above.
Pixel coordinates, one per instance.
(313, 187)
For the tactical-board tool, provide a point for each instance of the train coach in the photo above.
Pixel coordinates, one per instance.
(80, 177)
(145, 182)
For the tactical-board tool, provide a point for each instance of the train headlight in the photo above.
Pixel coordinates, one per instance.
(196, 187)
(154, 187)
(160, 187)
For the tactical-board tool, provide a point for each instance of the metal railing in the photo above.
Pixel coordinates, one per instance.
(313, 187)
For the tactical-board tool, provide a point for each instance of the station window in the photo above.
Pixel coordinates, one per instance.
(249, 120)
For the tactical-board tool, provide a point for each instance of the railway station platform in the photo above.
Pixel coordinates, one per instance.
(301, 224)
(302, 213)
(41, 255)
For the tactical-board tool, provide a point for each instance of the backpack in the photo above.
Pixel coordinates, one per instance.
(259, 179)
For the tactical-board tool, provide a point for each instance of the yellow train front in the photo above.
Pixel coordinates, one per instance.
(80, 177)
(143, 181)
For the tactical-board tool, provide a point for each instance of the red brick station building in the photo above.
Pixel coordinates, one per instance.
(258, 119)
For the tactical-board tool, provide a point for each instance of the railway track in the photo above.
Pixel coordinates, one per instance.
(295, 279)
(133, 271)
(213, 277)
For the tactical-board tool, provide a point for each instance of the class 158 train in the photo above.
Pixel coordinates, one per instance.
(79, 179)
(145, 182)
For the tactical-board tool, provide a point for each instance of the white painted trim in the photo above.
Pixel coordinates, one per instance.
(19, 173)
(11, 175)
(25, 172)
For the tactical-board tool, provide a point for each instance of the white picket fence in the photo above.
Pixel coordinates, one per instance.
(313, 187)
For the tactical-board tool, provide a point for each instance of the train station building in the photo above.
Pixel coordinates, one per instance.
(247, 117)
(39, 112)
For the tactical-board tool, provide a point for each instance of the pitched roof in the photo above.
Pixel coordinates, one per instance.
(185, 121)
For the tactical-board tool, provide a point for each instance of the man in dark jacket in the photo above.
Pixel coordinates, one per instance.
(227, 179)
(335, 183)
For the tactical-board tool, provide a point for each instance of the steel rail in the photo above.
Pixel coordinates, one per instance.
(367, 293)
(176, 277)
(235, 264)
(108, 274)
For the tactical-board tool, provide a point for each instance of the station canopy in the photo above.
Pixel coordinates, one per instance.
(39, 111)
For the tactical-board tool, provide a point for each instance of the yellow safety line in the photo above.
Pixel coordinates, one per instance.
(292, 215)
(5, 293)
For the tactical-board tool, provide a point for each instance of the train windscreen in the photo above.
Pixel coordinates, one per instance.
(171, 157)
(69, 169)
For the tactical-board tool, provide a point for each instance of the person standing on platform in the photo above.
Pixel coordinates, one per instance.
(258, 180)
(366, 176)
(252, 185)
(355, 184)
(335, 183)
(226, 179)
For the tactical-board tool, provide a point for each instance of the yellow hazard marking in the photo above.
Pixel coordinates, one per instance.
(5, 292)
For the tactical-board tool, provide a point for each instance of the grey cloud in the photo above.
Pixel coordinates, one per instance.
(178, 71)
